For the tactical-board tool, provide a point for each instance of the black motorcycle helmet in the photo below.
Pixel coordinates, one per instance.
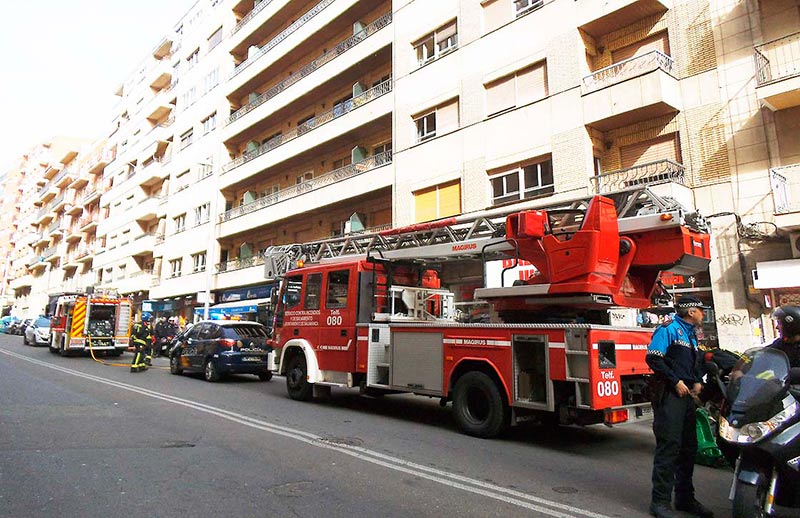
(788, 320)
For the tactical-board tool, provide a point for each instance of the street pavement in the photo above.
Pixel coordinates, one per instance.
(78, 438)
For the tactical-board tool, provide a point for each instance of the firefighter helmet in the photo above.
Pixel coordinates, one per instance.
(146, 317)
(788, 320)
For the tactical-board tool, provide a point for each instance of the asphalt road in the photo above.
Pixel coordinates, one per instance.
(78, 438)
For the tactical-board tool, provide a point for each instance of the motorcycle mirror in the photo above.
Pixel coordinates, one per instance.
(794, 376)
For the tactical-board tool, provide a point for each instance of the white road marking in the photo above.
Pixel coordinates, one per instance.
(452, 480)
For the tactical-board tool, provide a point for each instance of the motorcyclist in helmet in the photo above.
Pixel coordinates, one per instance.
(787, 319)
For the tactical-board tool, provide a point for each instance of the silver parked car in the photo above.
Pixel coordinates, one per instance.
(38, 332)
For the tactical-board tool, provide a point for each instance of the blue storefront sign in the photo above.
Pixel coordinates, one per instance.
(252, 292)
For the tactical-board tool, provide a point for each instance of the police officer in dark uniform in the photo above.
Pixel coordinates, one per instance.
(788, 320)
(674, 359)
(142, 338)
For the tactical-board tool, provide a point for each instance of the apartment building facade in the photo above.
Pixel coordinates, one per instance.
(261, 123)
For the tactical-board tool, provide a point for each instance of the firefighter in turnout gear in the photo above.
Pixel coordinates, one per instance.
(674, 358)
(142, 338)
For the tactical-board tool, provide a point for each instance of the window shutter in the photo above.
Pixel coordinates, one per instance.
(500, 95)
(656, 42)
(532, 83)
(446, 31)
(447, 117)
(449, 199)
(661, 148)
(425, 204)
(495, 14)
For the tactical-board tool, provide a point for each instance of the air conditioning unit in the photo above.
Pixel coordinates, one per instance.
(794, 240)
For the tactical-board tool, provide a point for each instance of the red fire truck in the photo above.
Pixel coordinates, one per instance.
(369, 310)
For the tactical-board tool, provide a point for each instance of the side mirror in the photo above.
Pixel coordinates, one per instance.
(794, 376)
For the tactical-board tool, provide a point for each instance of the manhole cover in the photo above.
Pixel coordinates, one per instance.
(565, 490)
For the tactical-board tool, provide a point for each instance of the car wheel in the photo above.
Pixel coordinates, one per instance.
(297, 384)
(175, 364)
(478, 406)
(265, 376)
(211, 373)
(25, 339)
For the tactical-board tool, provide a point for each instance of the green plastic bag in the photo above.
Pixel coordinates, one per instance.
(708, 453)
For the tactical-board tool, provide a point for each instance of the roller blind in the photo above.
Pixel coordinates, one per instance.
(532, 83)
(425, 204)
(666, 147)
(495, 14)
(449, 199)
(438, 201)
(447, 116)
(500, 95)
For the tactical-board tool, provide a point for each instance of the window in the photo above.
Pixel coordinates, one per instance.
(438, 201)
(209, 123)
(337, 289)
(437, 43)
(382, 153)
(305, 124)
(180, 223)
(211, 80)
(525, 181)
(525, 6)
(199, 262)
(188, 97)
(517, 89)
(215, 39)
(187, 139)
(175, 267)
(202, 213)
(294, 286)
(313, 290)
(206, 168)
(303, 178)
(193, 58)
(426, 126)
(271, 192)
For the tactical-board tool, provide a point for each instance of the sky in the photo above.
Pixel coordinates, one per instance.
(62, 60)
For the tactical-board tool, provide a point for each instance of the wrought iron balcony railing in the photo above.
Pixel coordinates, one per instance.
(311, 13)
(249, 16)
(778, 59)
(651, 173)
(323, 118)
(308, 69)
(786, 188)
(627, 69)
(240, 264)
(334, 176)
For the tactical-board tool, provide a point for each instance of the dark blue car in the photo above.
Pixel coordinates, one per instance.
(217, 348)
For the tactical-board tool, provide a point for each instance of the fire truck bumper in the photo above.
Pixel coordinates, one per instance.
(628, 414)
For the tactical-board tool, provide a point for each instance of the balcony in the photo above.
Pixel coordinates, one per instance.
(239, 272)
(43, 216)
(70, 261)
(88, 222)
(62, 200)
(51, 254)
(91, 195)
(142, 245)
(41, 239)
(163, 48)
(313, 66)
(599, 18)
(652, 173)
(786, 196)
(134, 281)
(47, 193)
(778, 72)
(22, 282)
(630, 91)
(79, 180)
(52, 170)
(99, 160)
(55, 227)
(308, 127)
(76, 208)
(74, 234)
(162, 76)
(64, 177)
(334, 177)
(84, 253)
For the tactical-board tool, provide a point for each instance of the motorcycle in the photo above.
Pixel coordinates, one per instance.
(761, 418)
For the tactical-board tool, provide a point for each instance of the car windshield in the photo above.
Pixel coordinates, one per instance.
(757, 384)
(42, 322)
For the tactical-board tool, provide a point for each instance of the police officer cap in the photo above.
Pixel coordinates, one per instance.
(690, 301)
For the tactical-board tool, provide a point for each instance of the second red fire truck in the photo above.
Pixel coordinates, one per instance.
(369, 310)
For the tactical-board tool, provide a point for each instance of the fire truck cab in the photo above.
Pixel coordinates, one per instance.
(99, 320)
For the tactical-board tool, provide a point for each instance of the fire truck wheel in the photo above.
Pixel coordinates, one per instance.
(478, 406)
(297, 384)
(63, 350)
(50, 346)
(210, 372)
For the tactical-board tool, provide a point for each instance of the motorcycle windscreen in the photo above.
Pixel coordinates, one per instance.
(757, 386)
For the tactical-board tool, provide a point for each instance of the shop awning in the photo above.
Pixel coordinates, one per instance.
(232, 308)
(777, 274)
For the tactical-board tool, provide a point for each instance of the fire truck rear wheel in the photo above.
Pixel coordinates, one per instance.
(478, 406)
(297, 384)
(63, 350)
(50, 346)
